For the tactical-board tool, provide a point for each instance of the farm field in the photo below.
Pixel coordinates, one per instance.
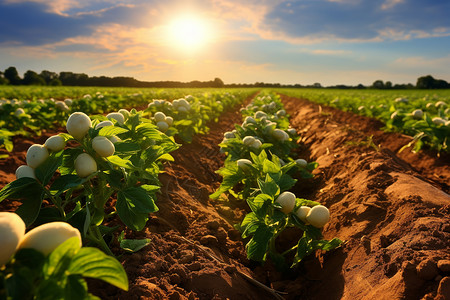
(390, 209)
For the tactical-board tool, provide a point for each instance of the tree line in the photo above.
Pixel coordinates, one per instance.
(11, 77)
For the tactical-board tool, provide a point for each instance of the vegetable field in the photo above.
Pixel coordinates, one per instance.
(224, 194)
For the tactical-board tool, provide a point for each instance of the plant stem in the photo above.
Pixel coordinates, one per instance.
(95, 236)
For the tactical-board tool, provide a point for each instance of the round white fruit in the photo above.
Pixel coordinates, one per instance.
(25, 171)
(302, 212)
(318, 216)
(114, 139)
(104, 124)
(103, 146)
(68, 101)
(182, 109)
(62, 106)
(162, 126)
(85, 165)
(47, 237)
(417, 114)
(116, 116)
(78, 125)
(292, 131)
(287, 201)
(169, 121)
(55, 143)
(36, 155)
(228, 135)
(280, 135)
(159, 116)
(12, 230)
(438, 121)
(256, 144)
(248, 140)
(124, 112)
(243, 163)
(301, 163)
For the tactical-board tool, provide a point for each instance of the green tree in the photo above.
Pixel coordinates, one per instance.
(378, 84)
(12, 75)
(32, 78)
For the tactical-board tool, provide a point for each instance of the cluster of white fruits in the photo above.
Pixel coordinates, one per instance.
(317, 215)
(44, 238)
(162, 121)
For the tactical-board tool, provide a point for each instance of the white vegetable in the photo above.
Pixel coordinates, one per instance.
(438, 121)
(302, 212)
(85, 165)
(169, 121)
(260, 114)
(162, 126)
(417, 114)
(19, 112)
(256, 144)
(248, 140)
(301, 162)
(318, 216)
(124, 112)
(68, 101)
(62, 106)
(103, 146)
(25, 171)
(12, 230)
(440, 104)
(159, 116)
(249, 120)
(394, 115)
(362, 107)
(243, 163)
(55, 143)
(104, 124)
(36, 155)
(280, 135)
(287, 201)
(228, 135)
(401, 100)
(114, 139)
(182, 109)
(47, 237)
(281, 113)
(78, 125)
(292, 131)
(116, 116)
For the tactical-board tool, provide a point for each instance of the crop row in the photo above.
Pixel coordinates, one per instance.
(29, 116)
(416, 113)
(260, 169)
(75, 185)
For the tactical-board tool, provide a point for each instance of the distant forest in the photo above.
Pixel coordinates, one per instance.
(11, 77)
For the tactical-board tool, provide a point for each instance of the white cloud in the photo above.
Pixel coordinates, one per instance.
(388, 4)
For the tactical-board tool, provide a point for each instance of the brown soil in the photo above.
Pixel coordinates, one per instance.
(394, 218)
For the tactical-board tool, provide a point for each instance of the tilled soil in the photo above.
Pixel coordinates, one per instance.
(392, 211)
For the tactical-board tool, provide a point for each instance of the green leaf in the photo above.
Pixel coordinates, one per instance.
(17, 188)
(269, 186)
(133, 206)
(112, 130)
(132, 246)
(126, 147)
(120, 162)
(65, 182)
(258, 245)
(48, 168)
(76, 288)
(270, 167)
(149, 130)
(93, 263)
(260, 204)
(59, 259)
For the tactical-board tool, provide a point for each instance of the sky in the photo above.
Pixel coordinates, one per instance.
(307, 41)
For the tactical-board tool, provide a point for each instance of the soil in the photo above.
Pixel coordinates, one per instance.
(392, 210)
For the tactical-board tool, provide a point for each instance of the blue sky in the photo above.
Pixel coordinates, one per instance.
(307, 41)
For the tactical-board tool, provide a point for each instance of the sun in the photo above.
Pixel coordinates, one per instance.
(189, 32)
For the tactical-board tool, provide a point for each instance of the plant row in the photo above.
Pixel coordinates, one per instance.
(103, 169)
(260, 169)
(416, 113)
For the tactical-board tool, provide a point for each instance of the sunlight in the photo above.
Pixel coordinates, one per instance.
(189, 32)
